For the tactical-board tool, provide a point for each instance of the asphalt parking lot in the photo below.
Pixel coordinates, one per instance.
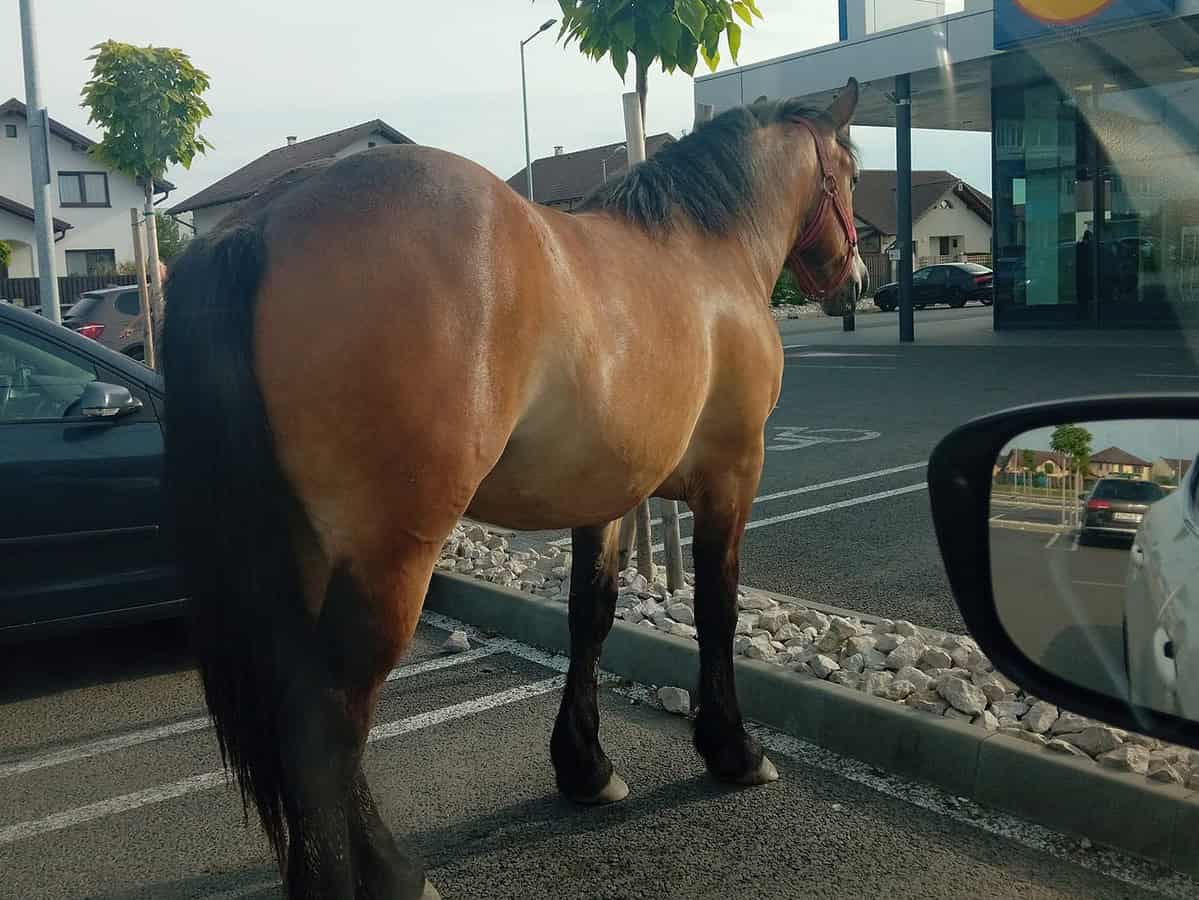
(112, 791)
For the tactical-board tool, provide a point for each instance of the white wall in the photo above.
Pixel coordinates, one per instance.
(958, 220)
(95, 228)
(17, 232)
(207, 218)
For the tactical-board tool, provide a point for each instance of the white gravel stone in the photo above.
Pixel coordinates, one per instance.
(684, 595)
(741, 643)
(675, 700)
(1065, 747)
(935, 658)
(989, 684)
(906, 654)
(854, 663)
(905, 628)
(476, 533)
(639, 583)
(876, 683)
(846, 678)
(986, 719)
(773, 619)
(1127, 758)
(822, 666)
(961, 695)
(844, 627)
(760, 648)
(1069, 723)
(756, 602)
(1017, 732)
(875, 660)
(920, 681)
(1160, 770)
(788, 632)
(1097, 740)
(464, 566)
(632, 616)
(899, 689)
(860, 644)
(810, 618)
(746, 622)
(916, 701)
(829, 642)
(952, 713)
(680, 630)
(885, 643)
(457, 642)
(681, 612)
(1008, 709)
(1040, 717)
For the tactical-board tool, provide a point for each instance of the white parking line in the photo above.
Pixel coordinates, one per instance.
(1163, 375)
(199, 723)
(819, 510)
(10, 834)
(1074, 543)
(822, 366)
(1053, 540)
(794, 492)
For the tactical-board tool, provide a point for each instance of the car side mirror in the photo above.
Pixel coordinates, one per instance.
(107, 401)
(1095, 606)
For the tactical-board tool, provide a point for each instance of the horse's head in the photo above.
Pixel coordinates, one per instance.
(824, 259)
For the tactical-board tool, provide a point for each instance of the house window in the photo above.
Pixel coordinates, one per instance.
(10, 131)
(91, 262)
(83, 189)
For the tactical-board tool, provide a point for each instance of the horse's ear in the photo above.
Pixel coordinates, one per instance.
(840, 113)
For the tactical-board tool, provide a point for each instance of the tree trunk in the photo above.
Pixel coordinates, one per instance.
(143, 291)
(642, 87)
(155, 272)
(645, 543)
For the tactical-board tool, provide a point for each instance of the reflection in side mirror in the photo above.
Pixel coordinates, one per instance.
(1104, 593)
(1088, 603)
(106, 401)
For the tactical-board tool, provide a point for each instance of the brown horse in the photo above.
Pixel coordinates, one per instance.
(371, 348)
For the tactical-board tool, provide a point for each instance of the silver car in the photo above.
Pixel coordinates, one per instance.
(106, 316)
(1161, 605)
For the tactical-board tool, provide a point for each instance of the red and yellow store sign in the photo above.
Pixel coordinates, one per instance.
(1018, 21)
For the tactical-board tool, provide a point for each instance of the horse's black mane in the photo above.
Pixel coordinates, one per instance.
(708, 176)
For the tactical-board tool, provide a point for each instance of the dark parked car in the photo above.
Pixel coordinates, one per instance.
(953, 283)
(83, 538)
(104, 315)
(1117, 506)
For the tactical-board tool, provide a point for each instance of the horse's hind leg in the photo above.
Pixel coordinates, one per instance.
(583, 770)
(339, 847)
(721, 510)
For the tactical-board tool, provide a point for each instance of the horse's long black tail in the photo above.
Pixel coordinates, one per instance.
(234, 511)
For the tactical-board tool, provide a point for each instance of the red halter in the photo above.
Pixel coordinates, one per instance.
(830, 203)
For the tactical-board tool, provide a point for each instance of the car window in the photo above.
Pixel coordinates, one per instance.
(921, 276)
(38, 380)
(84, 307)
(128, 303)
(1130, 491)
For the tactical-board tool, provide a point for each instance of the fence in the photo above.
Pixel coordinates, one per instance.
(24, 291)
(879, 267)
(982, 259)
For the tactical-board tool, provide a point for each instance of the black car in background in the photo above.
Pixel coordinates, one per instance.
(955, 284)
(83, 538)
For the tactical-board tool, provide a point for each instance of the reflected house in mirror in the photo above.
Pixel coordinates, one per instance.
(1114, 462)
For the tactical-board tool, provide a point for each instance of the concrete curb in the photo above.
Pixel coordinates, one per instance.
(1128, 812)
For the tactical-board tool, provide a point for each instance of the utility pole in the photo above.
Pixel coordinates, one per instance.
(37, 120)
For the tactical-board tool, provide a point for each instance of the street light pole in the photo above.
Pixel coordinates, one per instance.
(524, 94)
(37, 122)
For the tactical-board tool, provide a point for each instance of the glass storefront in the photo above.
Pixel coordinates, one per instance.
(1096, 183)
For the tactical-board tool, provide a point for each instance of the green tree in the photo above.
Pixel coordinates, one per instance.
(5, 255)
(171, 238)
(149, 103)
(1073, 442)
(676, 33)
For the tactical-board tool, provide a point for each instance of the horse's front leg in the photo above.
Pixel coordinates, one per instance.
(583, 770)
(721, 509)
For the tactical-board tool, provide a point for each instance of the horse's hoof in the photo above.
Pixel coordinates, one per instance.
(763, 774)
(430, 892)
(613, 792)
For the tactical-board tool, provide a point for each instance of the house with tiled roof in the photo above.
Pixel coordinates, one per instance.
(1112, 461)
(222, 197)
(565, 180)
(90, 202)
(951, 219)
(1171, 471)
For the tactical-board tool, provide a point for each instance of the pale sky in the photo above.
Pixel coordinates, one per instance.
(446, 74)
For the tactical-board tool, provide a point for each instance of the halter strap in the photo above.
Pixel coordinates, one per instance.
(832, 203)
